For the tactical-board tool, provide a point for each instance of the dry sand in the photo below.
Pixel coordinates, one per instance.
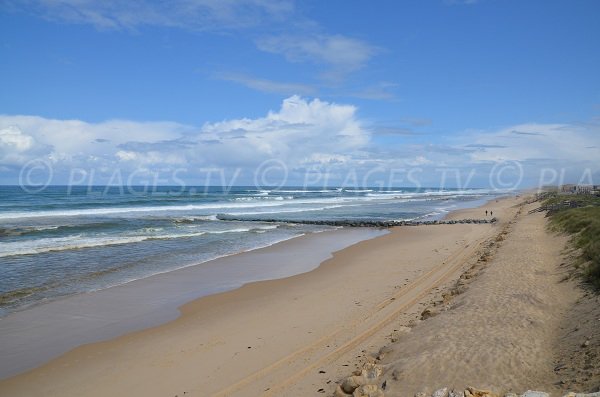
(299, 335)
(498, 335)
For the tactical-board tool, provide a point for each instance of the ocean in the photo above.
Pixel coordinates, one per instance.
(70, 240)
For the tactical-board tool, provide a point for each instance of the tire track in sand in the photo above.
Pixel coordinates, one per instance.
(294, 366)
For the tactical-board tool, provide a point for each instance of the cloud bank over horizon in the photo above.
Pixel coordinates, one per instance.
(305, 141)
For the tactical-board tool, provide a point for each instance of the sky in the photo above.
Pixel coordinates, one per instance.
(440, 93)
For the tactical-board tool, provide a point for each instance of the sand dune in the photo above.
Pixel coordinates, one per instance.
(499, 335)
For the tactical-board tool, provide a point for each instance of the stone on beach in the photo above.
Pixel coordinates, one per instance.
(371, 390)
(371, 371)
(473, 392)
(440, 392)
(339, 392)
(383, 351)
(572, 394)
(351, 383)
(368, 391)
(429, 312)
(533, 393)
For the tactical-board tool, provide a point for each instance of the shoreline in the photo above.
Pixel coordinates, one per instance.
(428, 219)
(193, 307)
(97, 321)
(35, 335)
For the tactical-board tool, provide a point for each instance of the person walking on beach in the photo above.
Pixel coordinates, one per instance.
(491, 213)
(485, 212)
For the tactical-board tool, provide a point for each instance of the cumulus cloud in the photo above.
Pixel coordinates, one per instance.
(302, 132)
(308, 136)
(298, 130)
(14, 144)
(75, 143)
(12, 138)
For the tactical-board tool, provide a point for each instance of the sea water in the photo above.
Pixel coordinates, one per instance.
(68, 240)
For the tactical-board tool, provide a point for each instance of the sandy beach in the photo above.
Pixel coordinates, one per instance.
(286, 198)
(303, 334)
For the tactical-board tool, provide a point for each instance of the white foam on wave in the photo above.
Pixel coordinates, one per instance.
(174, 208)
(288, 210)
(79, 241)
(427, 195)
(261, 198)
(305, 191)
(276, 201)
(124, 210)
(189, 219)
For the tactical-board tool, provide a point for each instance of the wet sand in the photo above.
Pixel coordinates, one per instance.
(33, 336)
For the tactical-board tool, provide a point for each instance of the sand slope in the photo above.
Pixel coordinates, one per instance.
(501, 333)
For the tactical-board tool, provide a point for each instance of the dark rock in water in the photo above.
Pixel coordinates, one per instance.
(353, 223)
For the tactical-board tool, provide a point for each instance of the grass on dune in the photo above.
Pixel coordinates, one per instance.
(584, 224)
(582, 200)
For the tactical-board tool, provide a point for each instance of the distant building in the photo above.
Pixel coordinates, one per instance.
(583, 189)
(579, 189)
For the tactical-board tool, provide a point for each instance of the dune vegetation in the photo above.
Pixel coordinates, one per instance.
(583, 223)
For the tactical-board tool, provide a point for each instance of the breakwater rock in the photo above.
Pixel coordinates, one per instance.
(359, 223)
(359, 385)
(473, 392)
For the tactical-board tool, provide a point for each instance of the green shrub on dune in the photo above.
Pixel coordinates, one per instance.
(584, 224)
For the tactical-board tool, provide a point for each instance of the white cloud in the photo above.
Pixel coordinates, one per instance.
(306, 135)
(299, 129)
(77, 143)
(534, 141)
(301, 41)
(12, 137)
(342, 54)
(299, 133)
(14, 145)
(187, 14)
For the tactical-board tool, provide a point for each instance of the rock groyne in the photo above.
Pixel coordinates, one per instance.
(359, 223)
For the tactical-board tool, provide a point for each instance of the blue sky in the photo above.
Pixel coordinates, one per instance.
(345, 89)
